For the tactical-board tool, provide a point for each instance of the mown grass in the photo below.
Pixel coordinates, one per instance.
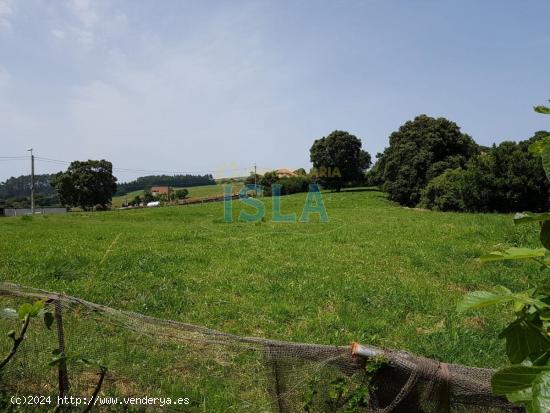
(375, 273)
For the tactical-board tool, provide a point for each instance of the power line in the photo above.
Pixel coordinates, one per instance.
(129, 170)
(61, 162)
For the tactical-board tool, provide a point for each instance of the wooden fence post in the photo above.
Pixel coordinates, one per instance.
(62, 369)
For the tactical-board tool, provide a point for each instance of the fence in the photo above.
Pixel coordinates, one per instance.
(12, 212)
(206, 370)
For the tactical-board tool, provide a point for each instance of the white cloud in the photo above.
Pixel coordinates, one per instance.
(84, 11)
(5, 77)
(60, 34)
(93, 21)
(83, 36)
(6, 10)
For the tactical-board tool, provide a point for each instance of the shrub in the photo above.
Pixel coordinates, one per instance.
(445, 192)
(290, 185)
(294, 184)
(181, 193)
(268, 179)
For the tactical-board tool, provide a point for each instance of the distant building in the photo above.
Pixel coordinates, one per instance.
(161, 190)
(284, 173)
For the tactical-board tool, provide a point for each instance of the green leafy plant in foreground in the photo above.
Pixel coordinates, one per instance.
(527, 381)
(25, 313)
(344, 394)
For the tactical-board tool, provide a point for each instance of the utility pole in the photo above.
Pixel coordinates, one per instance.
(32, 181)
(255, 183)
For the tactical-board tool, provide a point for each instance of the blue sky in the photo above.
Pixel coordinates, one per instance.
(203, 86)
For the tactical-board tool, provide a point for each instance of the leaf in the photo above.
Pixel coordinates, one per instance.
(58, 357)
(24, 310)
(545, 155)
(514, 254)
(542, 109)
(31, 310)
(545, 235)
(9, 313)
(480, 299)
(48, 319)
(515, 378)
(522, 339)
(525, 395)
(525, 217)
(541, 393)
(537, 147)
(36, 307)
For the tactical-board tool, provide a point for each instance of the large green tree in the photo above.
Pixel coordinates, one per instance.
(507, 178)
(504, 178)
(421, 150)
(338, 159)
(86, 184)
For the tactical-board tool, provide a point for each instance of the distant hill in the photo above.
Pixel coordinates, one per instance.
(145, 182)
(15, 191)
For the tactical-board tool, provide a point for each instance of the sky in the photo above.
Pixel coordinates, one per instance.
(184, 86)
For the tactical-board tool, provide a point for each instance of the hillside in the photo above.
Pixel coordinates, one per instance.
(201, 191)
(16, 191)
(145, 182)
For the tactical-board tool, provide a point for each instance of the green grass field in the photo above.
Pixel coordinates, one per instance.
(376, 273)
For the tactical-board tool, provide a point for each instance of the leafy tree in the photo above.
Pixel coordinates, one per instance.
(374, 176)
(503, 178)
(253, 178)
(300, 172)
(268, 179)
(144, 182)
(86, 183)
(507, 178)
(136, 201)
(15, 192)
(148, 197)
(421, 150)
(294, 184)
(445, 192)
(181, 193)
(338, 159)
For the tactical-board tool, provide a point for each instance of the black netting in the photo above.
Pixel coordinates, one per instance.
(148, 357)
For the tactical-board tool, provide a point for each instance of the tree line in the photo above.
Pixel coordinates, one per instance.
(338, 161)
(430, 163)
(86, 184)
(144, 182)
(14, 192)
